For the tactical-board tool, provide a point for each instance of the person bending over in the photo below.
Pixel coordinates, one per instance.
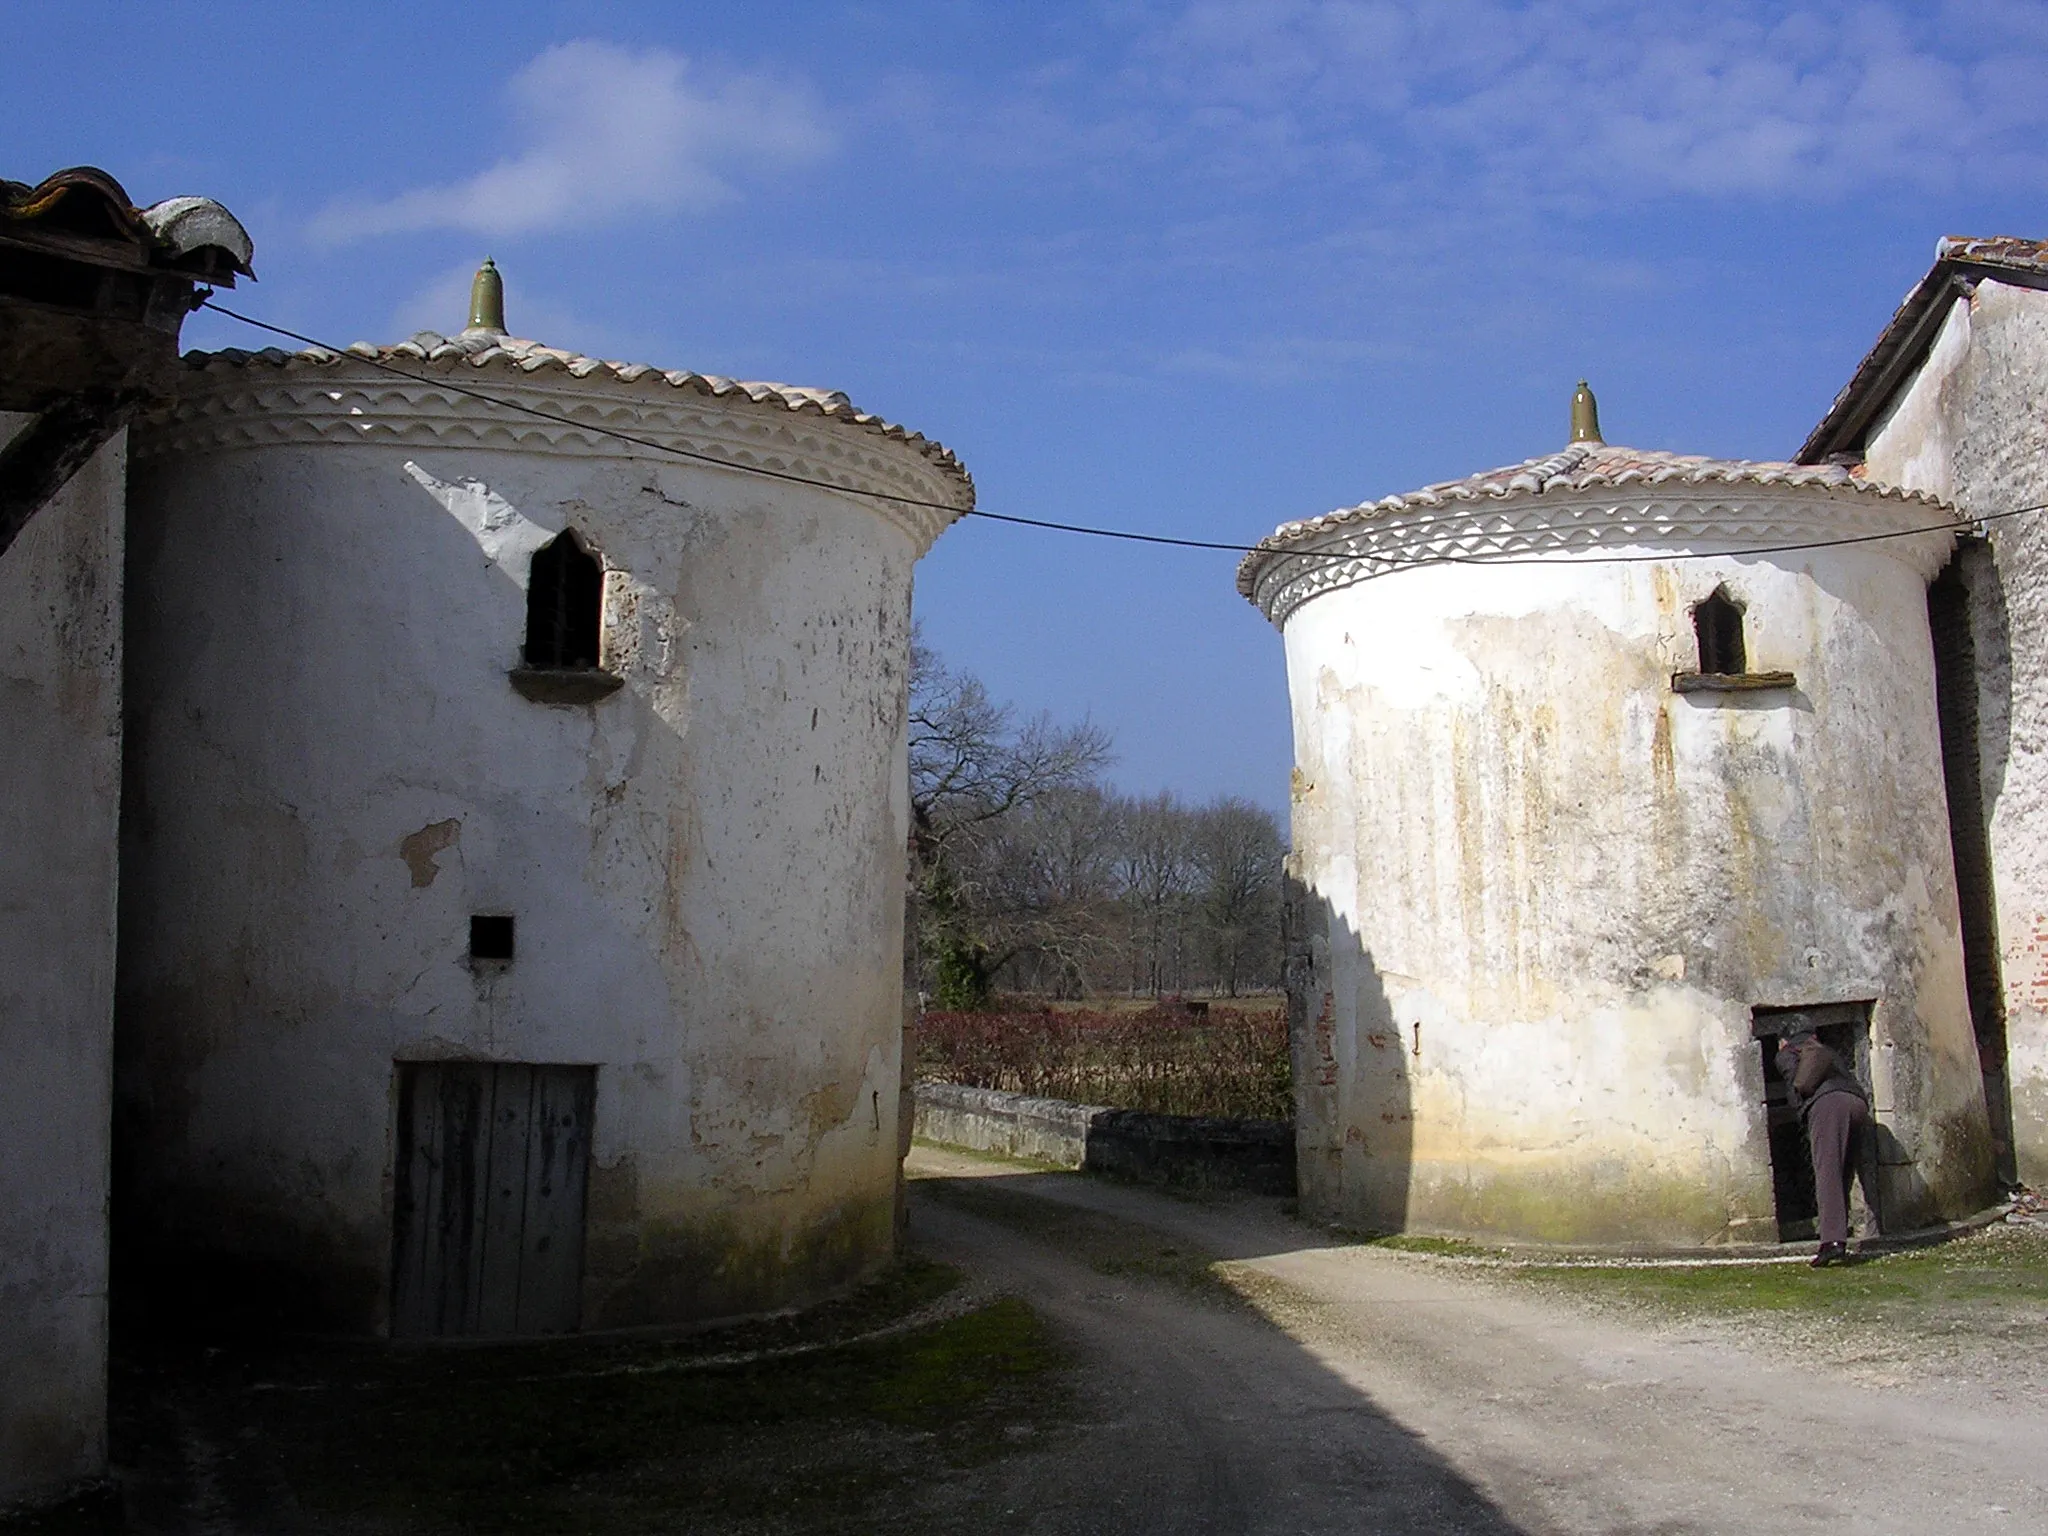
(1834, 1109)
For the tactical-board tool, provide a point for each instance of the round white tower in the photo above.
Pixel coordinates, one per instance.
(514, 855)
(1591, 789)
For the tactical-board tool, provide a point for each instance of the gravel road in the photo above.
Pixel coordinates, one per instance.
(1330, 1387)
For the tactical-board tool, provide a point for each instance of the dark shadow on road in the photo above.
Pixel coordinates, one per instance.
(1200, 1413)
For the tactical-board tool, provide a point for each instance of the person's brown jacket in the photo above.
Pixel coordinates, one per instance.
(1811, 1069)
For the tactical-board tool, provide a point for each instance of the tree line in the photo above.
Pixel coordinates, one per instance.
(1030, 874)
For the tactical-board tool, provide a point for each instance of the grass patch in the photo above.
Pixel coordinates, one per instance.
(525, 1455)
(1442, 1247)
(596, 1436)
(1988, 1273)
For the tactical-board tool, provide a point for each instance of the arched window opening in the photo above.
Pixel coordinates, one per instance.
(564, 592)
(1717, 621)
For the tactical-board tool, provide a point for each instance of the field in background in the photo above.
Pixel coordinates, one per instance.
(1168, 1058)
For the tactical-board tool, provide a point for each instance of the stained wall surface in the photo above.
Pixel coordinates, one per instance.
(1541, 892)
(60, 764)
(1969, 426)
(332, 773)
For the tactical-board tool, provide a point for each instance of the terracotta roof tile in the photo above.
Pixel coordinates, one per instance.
(1899, 348)
(1579, 467)
(492, 349)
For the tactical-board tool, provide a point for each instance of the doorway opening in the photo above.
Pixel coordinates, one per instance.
(1845, 1029)
(487, 1226)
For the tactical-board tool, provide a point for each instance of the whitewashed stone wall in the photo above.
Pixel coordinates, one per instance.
(60, 797)
(1970, 426)
(1543, 891)
(332, 773)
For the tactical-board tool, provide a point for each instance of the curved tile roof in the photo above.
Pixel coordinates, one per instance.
(86, 202)
(1579, 467)
(487, 349)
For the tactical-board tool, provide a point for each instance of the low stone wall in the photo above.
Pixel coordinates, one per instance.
(1008, 1124)
(1252, 1155)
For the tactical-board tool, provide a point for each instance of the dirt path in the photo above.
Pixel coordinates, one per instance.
(1362, 1390)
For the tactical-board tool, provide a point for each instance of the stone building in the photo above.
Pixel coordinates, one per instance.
(1595, 797)
(1949, 401)
(92, 294)
(513, 866)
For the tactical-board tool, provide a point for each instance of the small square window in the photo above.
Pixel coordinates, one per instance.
(490, 937)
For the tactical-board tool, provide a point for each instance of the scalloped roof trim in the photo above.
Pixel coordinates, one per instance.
(1580, 467)
(490, 349)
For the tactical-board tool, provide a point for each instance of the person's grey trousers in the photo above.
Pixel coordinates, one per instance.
(1832, 1123)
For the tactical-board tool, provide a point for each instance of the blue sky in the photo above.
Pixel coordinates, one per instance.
(1187, 268)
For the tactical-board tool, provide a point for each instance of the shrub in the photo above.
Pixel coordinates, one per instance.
(1229, 1062)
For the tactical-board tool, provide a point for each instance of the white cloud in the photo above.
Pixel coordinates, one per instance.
(1557, 100)
(608, 132)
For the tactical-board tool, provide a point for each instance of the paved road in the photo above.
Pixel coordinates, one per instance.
(1370, 1392)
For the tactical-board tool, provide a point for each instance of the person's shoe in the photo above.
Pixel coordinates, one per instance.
(1831, 1253)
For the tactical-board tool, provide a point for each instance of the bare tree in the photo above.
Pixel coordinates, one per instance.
(971, 766)
(1238, 850)
(1156, 866)
(1026, 867)
(1045, 876)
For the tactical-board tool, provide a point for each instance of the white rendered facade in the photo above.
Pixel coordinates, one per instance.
(333, 773)
(1966, 424)
(1542, 890)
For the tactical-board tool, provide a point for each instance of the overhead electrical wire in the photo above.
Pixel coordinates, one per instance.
(1392, 560)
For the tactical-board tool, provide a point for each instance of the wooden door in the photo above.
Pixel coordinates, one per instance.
(493, 1162)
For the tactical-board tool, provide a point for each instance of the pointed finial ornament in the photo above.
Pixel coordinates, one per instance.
(487, 299)
(1585, 415)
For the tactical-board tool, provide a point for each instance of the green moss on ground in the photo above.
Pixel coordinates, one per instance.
(594, 1436)
(1987, 1273)
(547, 1455)
(1444, 1247)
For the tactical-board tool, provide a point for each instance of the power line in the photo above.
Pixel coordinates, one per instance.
(1118, 533)
(1393, 560)
(570, 421)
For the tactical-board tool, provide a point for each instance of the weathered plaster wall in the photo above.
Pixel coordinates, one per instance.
(60, 763)
(1553, 889)
(332, 773)
(1970, 425)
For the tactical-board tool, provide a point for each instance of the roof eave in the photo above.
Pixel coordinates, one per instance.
(438, 359)
(1903, 345)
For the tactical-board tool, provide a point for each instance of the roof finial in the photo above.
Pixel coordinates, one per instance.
(487, 299)
(1585, 415)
